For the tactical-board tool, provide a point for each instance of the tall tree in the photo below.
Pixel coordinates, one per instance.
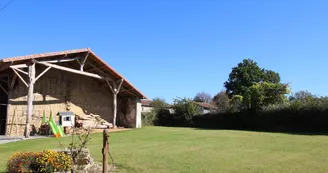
(203, 97)
(221, 101)
(254, 85)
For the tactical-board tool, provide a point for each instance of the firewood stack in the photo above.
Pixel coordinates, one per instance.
(93, 121)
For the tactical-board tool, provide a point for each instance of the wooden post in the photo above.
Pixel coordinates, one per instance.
(114, 109)
(31, 75)
(115, 90)
(105, 150)
(83, 61)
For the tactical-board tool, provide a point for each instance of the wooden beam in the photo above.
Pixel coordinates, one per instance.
(13, 81)
(31, 75)
(119, 85)
(114, 109)
(100, 71)
(5, 66)
(3, 89)
(41, 74)
(20, 70)
(60, 60)
(48, 61)
(19, 66)
(20, 77)
(83, 61)
(110, 86)
(128, 91)
(71, 70)
(95, 68)
(115, 90)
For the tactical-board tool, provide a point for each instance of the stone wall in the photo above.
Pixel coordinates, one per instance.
(62, 91)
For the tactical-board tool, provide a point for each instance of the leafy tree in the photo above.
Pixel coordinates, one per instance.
(221, 101)
(203, 97)
(255, 86)
(271, 76)
(302, 95)
(264, 94)
(305, 99)
(185, 109)
(159, 104)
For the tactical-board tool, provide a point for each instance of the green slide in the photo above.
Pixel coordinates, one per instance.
(61, 131)
(53, 127)
(56, 130)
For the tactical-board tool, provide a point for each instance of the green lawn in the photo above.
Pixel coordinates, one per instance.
(164, 149)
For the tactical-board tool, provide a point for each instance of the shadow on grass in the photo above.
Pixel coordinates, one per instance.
(291, 132)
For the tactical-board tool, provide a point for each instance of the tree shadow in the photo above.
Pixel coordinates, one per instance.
(290, 132)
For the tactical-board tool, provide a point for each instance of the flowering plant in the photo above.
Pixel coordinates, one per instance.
(46, 161)
(21, 162)
(52, 161)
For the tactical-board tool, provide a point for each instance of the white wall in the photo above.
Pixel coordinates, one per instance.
(138, 113)
(146, 109)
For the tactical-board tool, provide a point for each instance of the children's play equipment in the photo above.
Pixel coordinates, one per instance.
(57, 130)
(66, 120)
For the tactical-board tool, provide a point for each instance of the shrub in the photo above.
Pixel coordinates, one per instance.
(21, 162)
(185, 109)
(149, 118)
(46, 161)
(53, 161)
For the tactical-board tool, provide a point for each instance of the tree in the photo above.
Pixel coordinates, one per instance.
(254, 85)
(185, 109)
(203, 97)
(265, 93)
(221, 101)
(302, 95)
(158, 104)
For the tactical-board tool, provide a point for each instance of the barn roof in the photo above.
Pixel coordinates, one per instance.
(94, 64)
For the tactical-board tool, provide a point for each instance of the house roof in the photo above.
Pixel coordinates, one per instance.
(92, 59)
(147, 103)
(206, 105)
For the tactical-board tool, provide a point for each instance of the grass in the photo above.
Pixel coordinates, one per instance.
(165, 149)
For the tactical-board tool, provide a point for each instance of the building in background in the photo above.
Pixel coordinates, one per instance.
(206, 107)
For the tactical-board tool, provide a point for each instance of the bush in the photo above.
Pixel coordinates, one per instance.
(22, 162)
(149, 118)
(185, 109)
(53, 161)
(285, 119)
(46, 161)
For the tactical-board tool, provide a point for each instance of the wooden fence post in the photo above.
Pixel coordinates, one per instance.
(105, 150)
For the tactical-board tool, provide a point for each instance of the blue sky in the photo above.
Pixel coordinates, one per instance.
(177, 48)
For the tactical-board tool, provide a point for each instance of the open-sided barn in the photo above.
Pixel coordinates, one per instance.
(73, 80)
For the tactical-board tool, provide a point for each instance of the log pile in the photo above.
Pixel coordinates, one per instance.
(93, 121)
